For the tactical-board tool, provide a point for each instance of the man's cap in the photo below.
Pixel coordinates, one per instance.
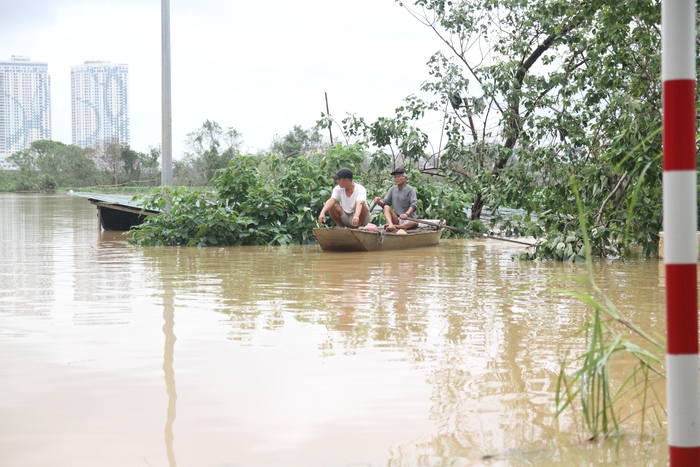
(342, 173)
(399, 170)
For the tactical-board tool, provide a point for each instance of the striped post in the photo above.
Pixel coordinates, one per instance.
(680, 226)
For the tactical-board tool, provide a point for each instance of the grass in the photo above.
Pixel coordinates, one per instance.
(590, 381)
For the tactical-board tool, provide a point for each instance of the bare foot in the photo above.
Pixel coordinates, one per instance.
(389, 227)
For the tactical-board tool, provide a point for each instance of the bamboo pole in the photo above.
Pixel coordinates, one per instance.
(328, 112)
(471, 232)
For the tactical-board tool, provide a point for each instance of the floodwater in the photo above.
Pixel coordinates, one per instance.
(119, 355)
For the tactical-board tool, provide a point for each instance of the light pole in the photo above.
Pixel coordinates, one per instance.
(167, 125)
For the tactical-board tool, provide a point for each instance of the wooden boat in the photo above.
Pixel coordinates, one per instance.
(341, 239)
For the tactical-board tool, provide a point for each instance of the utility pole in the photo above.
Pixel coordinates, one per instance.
(166, 125)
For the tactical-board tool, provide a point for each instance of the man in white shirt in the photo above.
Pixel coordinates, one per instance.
(347, 205)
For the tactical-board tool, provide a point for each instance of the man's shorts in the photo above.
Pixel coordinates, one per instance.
(347, 219)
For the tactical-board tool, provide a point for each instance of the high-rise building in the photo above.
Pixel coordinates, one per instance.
(99, 104)
(25, 104)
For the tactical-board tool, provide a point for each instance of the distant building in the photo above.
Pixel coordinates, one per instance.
(25, 104)
(99, 104)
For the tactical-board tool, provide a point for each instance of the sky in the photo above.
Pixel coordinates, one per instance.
(260, 66)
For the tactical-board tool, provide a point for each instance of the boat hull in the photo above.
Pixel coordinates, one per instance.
(337, 239)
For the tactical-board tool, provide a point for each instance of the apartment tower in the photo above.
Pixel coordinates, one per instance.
(25, 104)
(99, 104)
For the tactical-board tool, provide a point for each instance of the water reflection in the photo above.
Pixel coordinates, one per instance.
(169, 372)
(290, 355)
(490, 361)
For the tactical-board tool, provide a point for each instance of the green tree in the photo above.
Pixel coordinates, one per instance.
(51, 162)
(122, 165)
(139, 168)
(298, 142)
(532, 94)
(109, 160)
(7, 182)
(66, 165)
(208, 149)
(131, 161)
(150, 162)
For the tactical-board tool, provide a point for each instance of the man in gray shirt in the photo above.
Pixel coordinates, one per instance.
(402, 198)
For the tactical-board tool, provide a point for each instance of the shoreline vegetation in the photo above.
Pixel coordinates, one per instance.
(270, 199)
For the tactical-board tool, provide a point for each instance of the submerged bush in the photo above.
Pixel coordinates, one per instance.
(273, 201)
(254, 201)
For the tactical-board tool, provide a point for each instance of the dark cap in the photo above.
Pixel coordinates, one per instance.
(399, 170)
(343, 173)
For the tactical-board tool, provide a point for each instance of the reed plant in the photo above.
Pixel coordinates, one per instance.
(586, 378)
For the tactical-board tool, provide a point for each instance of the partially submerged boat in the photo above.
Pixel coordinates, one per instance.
(344, 239)
(117, 212)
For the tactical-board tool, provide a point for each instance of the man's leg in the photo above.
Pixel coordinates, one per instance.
(365, 215)
(391, 218)
(336, 212)
(407, 225)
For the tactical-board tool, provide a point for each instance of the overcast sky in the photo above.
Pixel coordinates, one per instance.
(258, 66)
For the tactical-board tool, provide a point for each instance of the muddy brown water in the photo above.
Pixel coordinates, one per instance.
(119, 355)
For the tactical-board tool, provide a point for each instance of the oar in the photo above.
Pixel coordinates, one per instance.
(471, 232)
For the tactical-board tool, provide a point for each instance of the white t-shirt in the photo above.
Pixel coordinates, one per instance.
(348, 202)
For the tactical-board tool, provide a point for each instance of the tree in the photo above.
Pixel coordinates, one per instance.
(7, 182)
(208, 149)
(67, 165)
(72, 166)
(109, 160)
(150, 163)
(298, 142)
(534, 93)
(131, 163)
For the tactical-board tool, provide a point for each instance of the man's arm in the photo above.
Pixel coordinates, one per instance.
(356, 214)
(329, 204)
(389, 199)
(413, 198)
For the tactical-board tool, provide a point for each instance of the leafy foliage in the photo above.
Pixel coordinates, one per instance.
(66, 165)
(46, 165)
(297, 142)
(532, 94)
(275, 201)
(6, 181)
(246, 206)
(208, 149)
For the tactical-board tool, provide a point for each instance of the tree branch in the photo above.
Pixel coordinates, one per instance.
(609, 197)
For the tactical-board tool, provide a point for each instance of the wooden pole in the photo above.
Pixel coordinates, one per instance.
(328, 112)
(471, 232)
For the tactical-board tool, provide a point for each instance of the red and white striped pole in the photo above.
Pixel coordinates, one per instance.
(680, 227)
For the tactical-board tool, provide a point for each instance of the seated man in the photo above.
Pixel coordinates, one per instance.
(347, 205)
(402, 197)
